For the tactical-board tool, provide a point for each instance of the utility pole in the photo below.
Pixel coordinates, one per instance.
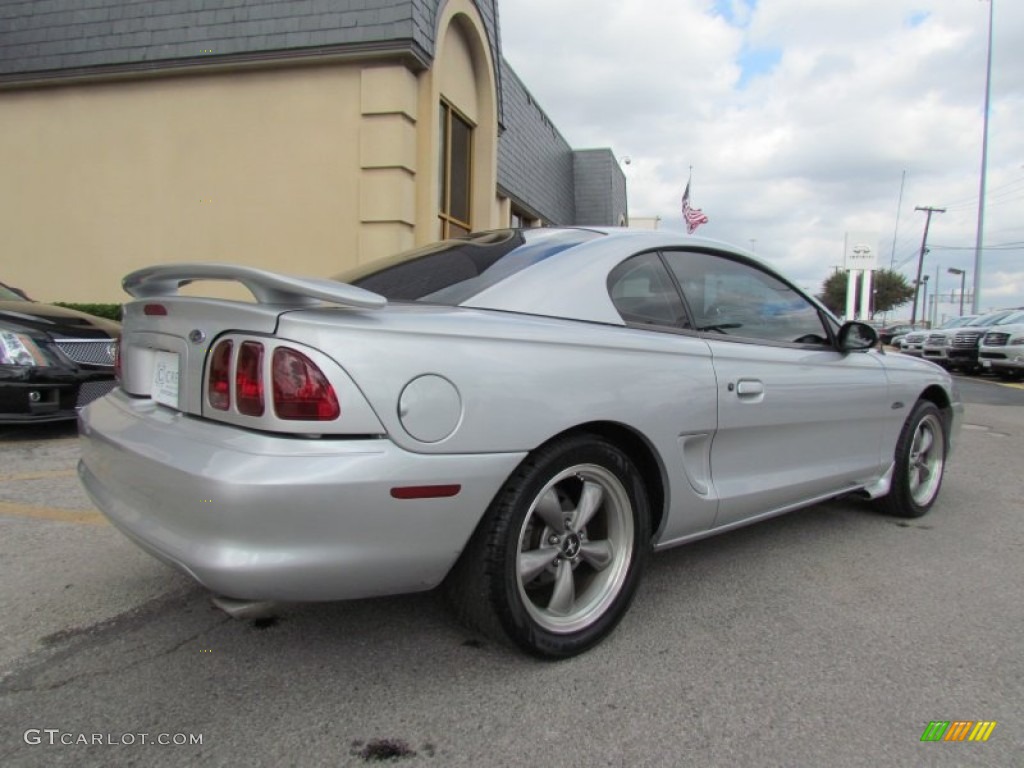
(924, 301)
(920, 259)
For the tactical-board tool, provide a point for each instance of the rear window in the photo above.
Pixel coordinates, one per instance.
(453, 271)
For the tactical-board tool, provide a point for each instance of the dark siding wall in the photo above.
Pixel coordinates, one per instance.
(535, 166)
(620, 202)
(600, 188)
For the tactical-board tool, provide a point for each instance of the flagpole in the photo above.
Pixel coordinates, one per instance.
(979, 241)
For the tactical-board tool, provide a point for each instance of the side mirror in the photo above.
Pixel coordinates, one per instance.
(856, 337)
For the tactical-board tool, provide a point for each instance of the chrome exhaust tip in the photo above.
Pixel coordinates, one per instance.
(245, 609)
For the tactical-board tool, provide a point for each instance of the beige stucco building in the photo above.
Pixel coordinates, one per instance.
(291, 136)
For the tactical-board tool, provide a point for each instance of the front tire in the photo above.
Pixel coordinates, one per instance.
(920, 463)
(555, 562)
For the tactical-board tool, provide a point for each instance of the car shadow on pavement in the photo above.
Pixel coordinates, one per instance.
(54, 430)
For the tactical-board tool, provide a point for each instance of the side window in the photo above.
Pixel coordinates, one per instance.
(643, 293)
(736, 299)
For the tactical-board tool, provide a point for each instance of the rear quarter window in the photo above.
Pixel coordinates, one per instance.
(453, 271)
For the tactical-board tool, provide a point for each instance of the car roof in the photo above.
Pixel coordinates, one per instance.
(540, 289)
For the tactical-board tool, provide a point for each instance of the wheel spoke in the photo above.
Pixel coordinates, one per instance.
(925, 441)
(915, 479)
(564, 594)
(534, 561)
(550, 510)
(597, 554)
(590, 501)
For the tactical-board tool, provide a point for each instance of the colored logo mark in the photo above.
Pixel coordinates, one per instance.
(958, 730)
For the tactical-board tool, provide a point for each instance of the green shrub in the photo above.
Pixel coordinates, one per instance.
(109, 311)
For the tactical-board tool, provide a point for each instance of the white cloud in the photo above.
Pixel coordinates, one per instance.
(814, 147)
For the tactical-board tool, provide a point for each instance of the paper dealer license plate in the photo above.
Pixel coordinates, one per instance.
(165, 379)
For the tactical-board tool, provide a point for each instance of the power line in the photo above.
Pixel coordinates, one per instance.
(1000, 247)
(972, 202)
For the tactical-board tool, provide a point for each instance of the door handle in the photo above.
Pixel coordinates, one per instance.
(749, 388)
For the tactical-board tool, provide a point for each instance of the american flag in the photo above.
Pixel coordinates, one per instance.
(694, 216)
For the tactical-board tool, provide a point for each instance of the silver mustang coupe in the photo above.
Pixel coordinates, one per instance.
(519, 416)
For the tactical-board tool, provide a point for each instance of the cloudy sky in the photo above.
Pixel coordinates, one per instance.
(799, 118)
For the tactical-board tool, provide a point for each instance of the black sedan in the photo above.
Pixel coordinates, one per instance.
(52, 360)
(887, 334)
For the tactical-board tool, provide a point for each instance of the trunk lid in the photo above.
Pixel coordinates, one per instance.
(167, 338)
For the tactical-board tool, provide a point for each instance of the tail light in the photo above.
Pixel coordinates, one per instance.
(301, 391)
(219, 388)
(249, 379)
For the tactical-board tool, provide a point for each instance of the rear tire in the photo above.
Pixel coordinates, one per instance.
(556, 560)
(920, 463)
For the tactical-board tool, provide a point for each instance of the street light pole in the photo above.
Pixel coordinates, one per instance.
(984, 167)
(963, 278)
(924, 300)
(920, 259)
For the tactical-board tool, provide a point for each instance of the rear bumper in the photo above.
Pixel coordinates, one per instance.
(265, 517)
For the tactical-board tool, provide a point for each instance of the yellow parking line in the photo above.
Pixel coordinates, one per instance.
(43, 475)
(80, 516)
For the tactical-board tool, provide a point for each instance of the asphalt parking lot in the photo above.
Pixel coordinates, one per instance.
(831, 636)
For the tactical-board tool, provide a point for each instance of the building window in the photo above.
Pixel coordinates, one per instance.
(521, 219)
(454, 172)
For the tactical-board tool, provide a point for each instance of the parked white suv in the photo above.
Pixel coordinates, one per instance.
(1002, 351)
(958, 347)
(913, 343)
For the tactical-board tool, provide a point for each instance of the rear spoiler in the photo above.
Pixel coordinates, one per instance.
(267, 287)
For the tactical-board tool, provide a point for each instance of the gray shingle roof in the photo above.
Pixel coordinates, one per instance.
(55, 36)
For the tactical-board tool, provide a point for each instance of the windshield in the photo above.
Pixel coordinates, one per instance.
(453, 271)
(994, 319)
(956, 322)
(1016, 317)
(9, 294)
